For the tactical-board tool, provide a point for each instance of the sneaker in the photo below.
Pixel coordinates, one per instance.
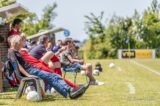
(96, 82)
(48, 92)
(78, 92)
(51, 92)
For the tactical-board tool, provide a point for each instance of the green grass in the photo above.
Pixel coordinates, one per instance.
(115, 92)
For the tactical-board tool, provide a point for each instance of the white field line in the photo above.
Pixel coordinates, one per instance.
(146, 67)
(131, 88)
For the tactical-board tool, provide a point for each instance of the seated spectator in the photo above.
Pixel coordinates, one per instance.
(40, 64)
(57, 46)
(32, 45)
(39, 52)
(28, 70)
(15, 27)
(69, 62)
(27, 43)
(49, 46)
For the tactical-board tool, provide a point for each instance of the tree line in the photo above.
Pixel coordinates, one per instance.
(139, 31)
(32, 24)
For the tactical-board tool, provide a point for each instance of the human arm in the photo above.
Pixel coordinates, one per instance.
(72, 60)
(60, 51)
(21, 69)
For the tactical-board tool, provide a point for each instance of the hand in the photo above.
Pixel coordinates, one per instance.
(81, 61)
(32, 76)
(24, 49)
(63, 48)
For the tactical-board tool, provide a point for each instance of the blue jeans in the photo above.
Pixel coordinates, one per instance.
(53, 80)
(73, 67)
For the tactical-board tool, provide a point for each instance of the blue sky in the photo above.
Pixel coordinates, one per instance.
(71, 12)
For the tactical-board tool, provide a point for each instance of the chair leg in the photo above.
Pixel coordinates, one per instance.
(38, 86)
(64, 75)
(25, 86)
(75, 76)
(20, 90)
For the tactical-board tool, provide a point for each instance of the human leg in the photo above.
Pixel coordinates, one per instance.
(57, 82)
(47, 56)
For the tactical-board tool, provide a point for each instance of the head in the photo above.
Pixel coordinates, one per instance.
(76, 47)
(49, 46)
(17, 24)
(16, 42)
(68, 43)
(33, 43)
(59, 42)
(44, 40)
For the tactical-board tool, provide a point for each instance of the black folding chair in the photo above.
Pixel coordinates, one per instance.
(75, 72)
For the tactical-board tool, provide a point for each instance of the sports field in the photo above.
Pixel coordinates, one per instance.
(129, 83)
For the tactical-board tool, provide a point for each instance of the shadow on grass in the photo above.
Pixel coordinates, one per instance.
(58, 98)
(2, 104)
(8, 95)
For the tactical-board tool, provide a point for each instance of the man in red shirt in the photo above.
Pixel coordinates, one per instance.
(41, 65)
(15, 28)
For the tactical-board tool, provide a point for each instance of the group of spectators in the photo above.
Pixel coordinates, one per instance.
(45, 61)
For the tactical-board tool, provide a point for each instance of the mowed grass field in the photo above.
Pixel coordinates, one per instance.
(129, 83)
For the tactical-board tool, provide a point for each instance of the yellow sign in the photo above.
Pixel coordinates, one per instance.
(128, 54)
(143, 54)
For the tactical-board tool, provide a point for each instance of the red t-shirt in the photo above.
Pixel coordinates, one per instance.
(33, 61)
(41, 65)
(13, 32)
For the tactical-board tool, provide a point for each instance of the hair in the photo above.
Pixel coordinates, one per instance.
(15, 40)
(43, 39)
(59, 40)
(76, 46)
(16, 22)
(33, 43)
(1, 39)
(66, 41)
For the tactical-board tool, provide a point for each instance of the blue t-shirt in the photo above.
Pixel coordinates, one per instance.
(56, 48)
(38, 51)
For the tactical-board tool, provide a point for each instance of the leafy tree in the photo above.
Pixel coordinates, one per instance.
(151, 21)
(96, 31)
(49, 14)
(135, 32)
(32, 24)
(40, 24)
(6, 2)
